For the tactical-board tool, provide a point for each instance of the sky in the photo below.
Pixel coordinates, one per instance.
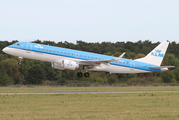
(89, 20)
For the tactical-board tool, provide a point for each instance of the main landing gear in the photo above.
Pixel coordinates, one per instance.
(86, 74)
(20, 63)
(80, 74)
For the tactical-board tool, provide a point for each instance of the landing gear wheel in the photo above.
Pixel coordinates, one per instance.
(20, 58)
(87, 74)
(79, 74)
(19, 63)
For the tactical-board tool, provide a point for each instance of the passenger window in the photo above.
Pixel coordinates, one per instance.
(92, 57)
(88, 56)
(54, 51)
(99, 58)
(39, 48)
(68, 53)
(61, 52)
(65, 52)
(50, 50)
(57, 51)
(84, 56)
(42, 49)
(46, 49)
(72, 54)
(96, 58)
(18, 44)
(80, 55)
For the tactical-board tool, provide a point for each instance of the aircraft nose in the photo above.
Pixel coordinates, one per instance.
(5, 50)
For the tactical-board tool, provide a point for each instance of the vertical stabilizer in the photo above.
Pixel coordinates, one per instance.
(156, 56)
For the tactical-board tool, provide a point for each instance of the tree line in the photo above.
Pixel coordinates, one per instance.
(39, 72)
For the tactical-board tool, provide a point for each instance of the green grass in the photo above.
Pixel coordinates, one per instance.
(22, 89)
(126, 106)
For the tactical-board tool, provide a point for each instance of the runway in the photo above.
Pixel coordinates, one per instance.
(40, 93)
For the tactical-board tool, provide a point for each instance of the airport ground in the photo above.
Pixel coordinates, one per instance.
(102, 106)
(34, 88)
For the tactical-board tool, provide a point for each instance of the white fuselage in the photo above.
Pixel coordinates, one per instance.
(52, 58)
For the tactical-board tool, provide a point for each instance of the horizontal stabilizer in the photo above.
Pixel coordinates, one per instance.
(161, 67)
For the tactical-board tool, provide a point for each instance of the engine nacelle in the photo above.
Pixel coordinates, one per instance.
(57, 66)
(65, 64)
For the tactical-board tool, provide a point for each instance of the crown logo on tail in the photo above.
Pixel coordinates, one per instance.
(157, 53)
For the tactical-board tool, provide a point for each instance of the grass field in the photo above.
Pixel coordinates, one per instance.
(126, 106)
(22, 89)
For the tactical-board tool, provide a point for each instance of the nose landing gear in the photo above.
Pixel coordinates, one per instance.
(19, 63)
(20, 58)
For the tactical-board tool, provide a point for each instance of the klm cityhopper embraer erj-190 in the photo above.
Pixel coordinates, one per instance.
(62, 58)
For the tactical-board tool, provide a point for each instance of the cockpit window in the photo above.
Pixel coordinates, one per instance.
(15, 44)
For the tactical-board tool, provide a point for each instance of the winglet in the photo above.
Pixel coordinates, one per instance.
(117, 59)
(122, 55)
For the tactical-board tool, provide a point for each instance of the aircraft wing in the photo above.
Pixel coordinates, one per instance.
(98, 62)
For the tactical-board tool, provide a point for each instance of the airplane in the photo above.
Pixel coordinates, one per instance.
(63, 58)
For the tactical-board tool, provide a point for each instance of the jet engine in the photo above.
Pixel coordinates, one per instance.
(57, 66)
(65, 64)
